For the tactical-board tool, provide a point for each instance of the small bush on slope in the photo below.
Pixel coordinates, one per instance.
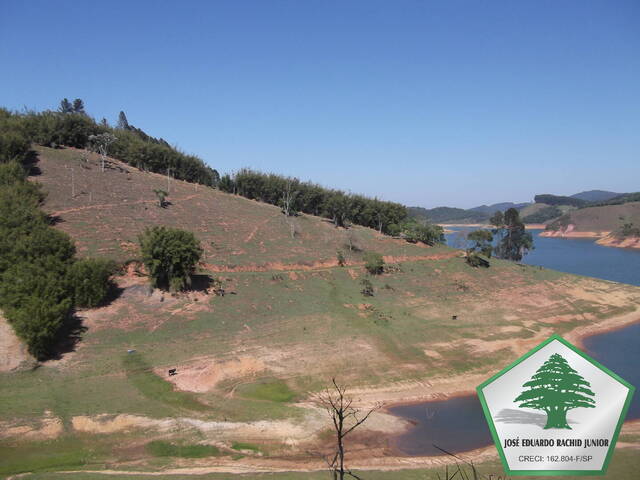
(374, 263)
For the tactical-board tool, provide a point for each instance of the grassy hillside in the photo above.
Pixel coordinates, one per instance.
(249, 362)
(607, 218)
(111, 208)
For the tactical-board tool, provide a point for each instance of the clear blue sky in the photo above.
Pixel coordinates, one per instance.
(427, 103)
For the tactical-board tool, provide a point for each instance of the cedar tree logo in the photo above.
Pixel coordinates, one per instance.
(555, 389)
(555, 411)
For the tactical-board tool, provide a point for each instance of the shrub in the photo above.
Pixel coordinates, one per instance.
(374, 263)
(394, 230)
(170, 255)
(367, 287)
(90, 281)
(476, 260)
(161, 448)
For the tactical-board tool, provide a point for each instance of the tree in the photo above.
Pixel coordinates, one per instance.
(170, 255)
(345, 419)
(556, 388)
(78, 106)
(288, 199)
(427, 233)
(123, 123)
(100, 143)
(162, 196)
(90, 281)
(374, 263)
(36, 301)
(482, 246)
(514, 242)
(65, 106)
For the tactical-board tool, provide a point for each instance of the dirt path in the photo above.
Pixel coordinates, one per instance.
(255, 230)
(321, 264)
(108, 205)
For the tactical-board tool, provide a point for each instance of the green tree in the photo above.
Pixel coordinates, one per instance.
(374, 263)
(170, 255)
(514, 241)
(78, 106)
(482, 242)
(90, 281)
(37, 302)
(123, 123)
(480, 250)
(427, 233)
(65, 106)
(556, 388)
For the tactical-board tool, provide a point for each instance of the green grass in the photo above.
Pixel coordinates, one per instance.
(269, 390)
(67, 452)
(160, 448)
(153, 387)
(245, 446)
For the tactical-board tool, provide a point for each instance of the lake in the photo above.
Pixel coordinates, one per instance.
(458, 424)
(582, 256)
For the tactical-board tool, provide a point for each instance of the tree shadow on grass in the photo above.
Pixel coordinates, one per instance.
(524, 417)
(201, 283)
(67, 338)
(30, 164)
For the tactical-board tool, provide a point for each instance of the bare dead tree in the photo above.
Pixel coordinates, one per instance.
(380, 221)
(100, 143)
(346, 418)
(287, 200)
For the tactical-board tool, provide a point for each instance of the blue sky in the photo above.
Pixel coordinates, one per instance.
(428, 103)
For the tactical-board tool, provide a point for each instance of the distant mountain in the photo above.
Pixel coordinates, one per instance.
(549, 199)
(491, 209)
(447, 215)
(479, 214)
(596, 195)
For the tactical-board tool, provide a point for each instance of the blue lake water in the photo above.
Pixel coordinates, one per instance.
(581, 256)
(458, 424)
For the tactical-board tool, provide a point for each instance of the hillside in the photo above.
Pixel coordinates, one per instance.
(491, 209)
(249, 362)
(111, 208)
(606, 223)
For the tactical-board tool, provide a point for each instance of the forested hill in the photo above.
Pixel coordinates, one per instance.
(71, 126)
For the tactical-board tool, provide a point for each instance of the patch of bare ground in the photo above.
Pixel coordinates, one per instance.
(203, 375)
(13, 353)
(47, 427)
(613, 241)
